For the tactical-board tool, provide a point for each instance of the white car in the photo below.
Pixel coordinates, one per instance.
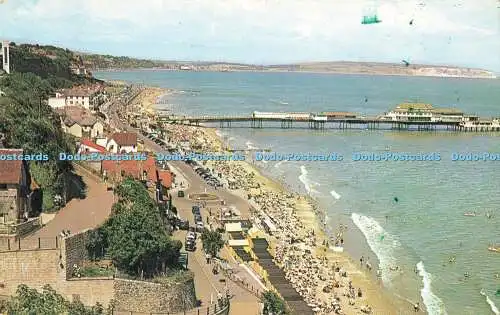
(191, 235)
(199, 225)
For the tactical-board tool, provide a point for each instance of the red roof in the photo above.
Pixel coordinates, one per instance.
(165, 178)
(10, 171)
(130, 168)
(90, 144)
(125, 138)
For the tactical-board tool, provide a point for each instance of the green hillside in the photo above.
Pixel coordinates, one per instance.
(94, 61)
(48, 62)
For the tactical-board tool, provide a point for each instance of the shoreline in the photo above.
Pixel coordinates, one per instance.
(493, 77)
(311, 216)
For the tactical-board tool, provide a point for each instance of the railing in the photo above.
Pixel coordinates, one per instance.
(21, 229)
(9, 244)
(218, 308)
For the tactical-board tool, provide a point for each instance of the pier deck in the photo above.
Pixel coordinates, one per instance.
(370, 123)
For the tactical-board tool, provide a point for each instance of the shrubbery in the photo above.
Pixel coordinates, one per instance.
(134, 237)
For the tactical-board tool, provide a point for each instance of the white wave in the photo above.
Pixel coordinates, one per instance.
(219, 133)
(380, 242)
(279, 163)
(308, 184)
(231, 139)
(335, 194)
(492, 305)
(250, 145)
(432, 302)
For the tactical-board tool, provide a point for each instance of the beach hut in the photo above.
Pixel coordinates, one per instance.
(269, 226)
(233, 227)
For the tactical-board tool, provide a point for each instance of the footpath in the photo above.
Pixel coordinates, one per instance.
(80, 214)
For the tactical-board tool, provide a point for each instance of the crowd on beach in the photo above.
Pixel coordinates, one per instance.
(323, 284)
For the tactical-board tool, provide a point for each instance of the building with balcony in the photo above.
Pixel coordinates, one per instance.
(420, 112)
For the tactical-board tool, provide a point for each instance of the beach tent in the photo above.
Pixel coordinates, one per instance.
(233, 227)
(269, 226)
(243, 243)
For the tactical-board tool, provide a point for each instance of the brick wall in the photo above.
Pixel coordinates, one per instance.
(140, 296)
(75, 251)
(37, 267)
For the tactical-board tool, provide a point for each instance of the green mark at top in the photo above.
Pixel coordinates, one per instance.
(370, 19)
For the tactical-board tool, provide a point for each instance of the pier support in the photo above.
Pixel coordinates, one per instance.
(256, 123)
(315, 124)
(225, 123)
(286, 123)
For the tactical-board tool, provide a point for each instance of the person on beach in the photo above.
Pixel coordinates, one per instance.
(416, 307)
(361, 261)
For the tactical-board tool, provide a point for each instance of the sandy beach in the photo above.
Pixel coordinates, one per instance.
(331, 282)
(144, 103)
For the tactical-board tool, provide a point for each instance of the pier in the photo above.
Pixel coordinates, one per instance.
(365, 123)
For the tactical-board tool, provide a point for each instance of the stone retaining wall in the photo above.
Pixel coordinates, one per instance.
(38, 267)
(140, 296)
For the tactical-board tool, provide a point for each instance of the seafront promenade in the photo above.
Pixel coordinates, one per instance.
(277, 203)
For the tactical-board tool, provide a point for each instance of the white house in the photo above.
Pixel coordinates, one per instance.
(101, 141)
(87, 146)
(78, 97)
(88, 97)
(122, 142)
(57, 102)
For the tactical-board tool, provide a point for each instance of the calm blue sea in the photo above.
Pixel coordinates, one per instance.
(426, 227)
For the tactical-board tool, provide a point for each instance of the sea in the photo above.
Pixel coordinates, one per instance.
(406, 214)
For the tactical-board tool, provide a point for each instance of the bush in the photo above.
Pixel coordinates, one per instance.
(29, 301)
(212, 242)
(134, 236)
(273, 304)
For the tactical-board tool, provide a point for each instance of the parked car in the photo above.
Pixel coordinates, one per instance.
(190, 245)
(191, 235)
(199, 226)
(183, 224)
(180, 193)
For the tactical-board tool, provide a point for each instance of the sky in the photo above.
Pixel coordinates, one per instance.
(459, 32)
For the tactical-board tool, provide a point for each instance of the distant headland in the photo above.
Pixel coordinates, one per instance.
(81, 62)
(100, 62)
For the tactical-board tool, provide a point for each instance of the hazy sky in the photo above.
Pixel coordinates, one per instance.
(465, 33)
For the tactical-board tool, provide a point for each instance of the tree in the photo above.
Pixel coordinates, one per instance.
(273, 304)
(212, 242)
(134, 236)
(48, 302)
(29, 123)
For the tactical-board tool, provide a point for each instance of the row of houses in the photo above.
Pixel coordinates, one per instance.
(20, 196)
(147, 170)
